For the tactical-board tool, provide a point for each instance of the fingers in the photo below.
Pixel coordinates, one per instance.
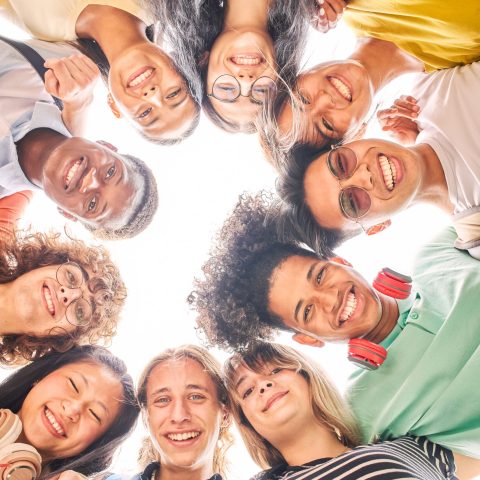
(328, 14)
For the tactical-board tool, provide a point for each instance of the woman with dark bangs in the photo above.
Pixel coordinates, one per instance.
(55, 293)
(295, 425)
(75, 408)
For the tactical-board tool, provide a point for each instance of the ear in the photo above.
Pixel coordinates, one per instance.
(202, 62)
(379, 227)
(67, 215)
(226, 418)
(113, 106)
(307, 340)
(108, 145)
(341, 261)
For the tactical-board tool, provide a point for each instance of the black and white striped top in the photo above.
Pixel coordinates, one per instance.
(403, 458)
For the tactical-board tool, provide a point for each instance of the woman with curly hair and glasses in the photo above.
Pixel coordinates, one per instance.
(186, 410)
(296, 425)
(75, 408)
(55, 293)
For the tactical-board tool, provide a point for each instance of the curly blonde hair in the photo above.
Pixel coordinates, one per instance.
(25, 251)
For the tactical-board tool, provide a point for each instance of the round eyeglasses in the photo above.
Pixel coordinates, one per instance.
(355, 202)
(79, 312)
(226, 88)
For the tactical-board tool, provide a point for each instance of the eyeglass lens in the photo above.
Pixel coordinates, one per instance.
(227, 88)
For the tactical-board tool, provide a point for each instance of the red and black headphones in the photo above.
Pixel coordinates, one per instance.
(18, 461)
(367, 354)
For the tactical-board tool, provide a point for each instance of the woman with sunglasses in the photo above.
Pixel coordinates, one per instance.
(54, 294)
(332, 193)
(256, 284)
(75, 407)
(243, 50)
(296, 425)
(145, 86)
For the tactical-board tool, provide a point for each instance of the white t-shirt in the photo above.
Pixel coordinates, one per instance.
(54, 20)
(449, 121)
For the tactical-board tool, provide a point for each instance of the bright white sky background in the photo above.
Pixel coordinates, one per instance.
(199, 182)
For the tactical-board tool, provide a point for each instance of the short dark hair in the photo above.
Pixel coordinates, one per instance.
(232, 299)
(99, 454)
(142, 216)
(296, 214)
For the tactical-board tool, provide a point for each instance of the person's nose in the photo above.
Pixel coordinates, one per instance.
(72, 409)
(264, 386)
(149, 91)
(89, 181)
(68, 295)
(326, 298)
(180, 412)
(362, 177)
(246, 79)
(323, 102)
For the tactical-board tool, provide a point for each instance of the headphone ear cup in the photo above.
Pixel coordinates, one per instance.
(393, 284)
(10, 427)
(19, 461)
(366, 354)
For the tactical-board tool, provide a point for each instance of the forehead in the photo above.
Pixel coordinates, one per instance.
(177, 375)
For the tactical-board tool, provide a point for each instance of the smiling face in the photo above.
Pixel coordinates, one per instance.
(40, 302)
(389, 173)
(329, 300)
(65, 412)
(336, 98)
(183, 414)
(150, 93)
(90, 182)
(276, 401)
(247, 55)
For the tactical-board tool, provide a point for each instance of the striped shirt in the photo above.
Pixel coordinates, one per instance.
(403, 458)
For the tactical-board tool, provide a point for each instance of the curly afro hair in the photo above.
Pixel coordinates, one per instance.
(232, 299)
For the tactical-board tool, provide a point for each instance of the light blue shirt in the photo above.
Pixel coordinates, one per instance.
(24, 106)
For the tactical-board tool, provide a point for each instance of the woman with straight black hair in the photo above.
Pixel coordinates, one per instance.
(76, 408)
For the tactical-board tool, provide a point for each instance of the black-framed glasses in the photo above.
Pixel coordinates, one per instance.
(79, 312)
(226, 88)
(355, 202)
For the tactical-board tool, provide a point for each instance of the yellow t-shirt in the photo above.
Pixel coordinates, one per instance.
(440, 33)
(54, 20)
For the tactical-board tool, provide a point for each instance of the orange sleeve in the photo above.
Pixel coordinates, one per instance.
(11, 210)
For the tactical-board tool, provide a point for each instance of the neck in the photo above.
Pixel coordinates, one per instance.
(311, 442)
(433, 188)
(8, 323)
(172, 472)
(384, 61)
(114, 30)
(246, 13)
(388, 319)
(33, 151)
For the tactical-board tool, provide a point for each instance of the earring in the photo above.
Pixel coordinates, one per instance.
(379, 227)
(113, 106)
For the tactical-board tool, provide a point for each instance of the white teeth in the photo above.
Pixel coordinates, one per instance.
(342, 88)
(71, 173)
(182, 436)
(143, 76)
(54, 423)
(246, 60)
(389, 171)
(350, 307)
(48, 299)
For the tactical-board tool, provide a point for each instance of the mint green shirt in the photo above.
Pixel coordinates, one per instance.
(430, 383)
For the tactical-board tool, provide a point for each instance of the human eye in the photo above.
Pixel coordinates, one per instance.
(95, 416)
(111, 172)
(328, 125)
(247, 393)
(73, 385)
(161, 401)
(145, 113)
(80, 314)
(196, 396)
(306, 313)
(303, 98)
(276, 370)
(92, 205)
(320, 275)
(174, 94)
(71, 278)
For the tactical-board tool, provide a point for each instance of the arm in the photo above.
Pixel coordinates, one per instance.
(327, 13)
(11, 210)
(468, 468)
(72, 79)
(400, 120)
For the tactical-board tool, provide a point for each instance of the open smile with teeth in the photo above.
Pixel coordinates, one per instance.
(247, 59)
(389, 171)
(48, 299)
(342, 88)
(53, 422)
(181, 437)
(140, 78)
(349, 308)
(71, 172)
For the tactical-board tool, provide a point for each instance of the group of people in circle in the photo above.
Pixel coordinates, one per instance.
(414, 411)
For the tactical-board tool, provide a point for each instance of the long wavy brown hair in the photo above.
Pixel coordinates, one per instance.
(25, 251)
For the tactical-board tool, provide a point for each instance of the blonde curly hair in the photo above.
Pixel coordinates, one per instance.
(25, 251)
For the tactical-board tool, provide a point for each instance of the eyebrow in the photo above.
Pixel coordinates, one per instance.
(87, 384)
(190, 386)
(239, 382)
(300, 302)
